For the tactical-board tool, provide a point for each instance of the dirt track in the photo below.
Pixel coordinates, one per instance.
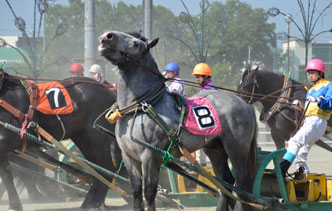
(319, 162)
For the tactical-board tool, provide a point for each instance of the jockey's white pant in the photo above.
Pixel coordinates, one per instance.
(313, 128)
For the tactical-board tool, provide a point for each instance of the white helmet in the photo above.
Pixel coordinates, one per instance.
(95, 68)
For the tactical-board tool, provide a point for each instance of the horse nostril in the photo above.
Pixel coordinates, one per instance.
(109, 36)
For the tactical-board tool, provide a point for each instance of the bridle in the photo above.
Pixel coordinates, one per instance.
(255, 85)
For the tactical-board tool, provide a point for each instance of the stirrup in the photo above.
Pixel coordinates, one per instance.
(299, 174)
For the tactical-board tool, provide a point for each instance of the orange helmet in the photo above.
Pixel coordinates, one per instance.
(202, 69)
(76, 67)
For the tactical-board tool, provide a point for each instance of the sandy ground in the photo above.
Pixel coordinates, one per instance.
(319, 162)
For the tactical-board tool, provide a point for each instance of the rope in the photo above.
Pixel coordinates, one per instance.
(186, 82)
(248, 94)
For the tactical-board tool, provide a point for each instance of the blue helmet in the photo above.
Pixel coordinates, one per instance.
(172, 66)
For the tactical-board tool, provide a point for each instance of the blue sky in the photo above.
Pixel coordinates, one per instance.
(24, 9)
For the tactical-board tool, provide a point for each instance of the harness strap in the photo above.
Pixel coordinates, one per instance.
(277, 105)
(151, 97)
(11, 109)
(2, 76)
(32, 90)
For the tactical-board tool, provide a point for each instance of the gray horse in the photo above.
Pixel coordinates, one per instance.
(139, 76)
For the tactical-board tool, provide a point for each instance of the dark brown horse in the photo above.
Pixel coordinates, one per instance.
(89, 100)
(259, 83)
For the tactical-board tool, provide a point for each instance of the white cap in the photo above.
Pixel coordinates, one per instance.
(95, 68)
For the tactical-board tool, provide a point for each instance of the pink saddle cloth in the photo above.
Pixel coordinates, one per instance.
(202, 119)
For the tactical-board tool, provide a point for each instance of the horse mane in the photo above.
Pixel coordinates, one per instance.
(274, 76)
(9, 83)
(138, 35)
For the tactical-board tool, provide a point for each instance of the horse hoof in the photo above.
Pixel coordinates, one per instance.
(16, 208)
(97, 208)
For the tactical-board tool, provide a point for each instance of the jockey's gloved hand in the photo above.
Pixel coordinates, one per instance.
(313, 99)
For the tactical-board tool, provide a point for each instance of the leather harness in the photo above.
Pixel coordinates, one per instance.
(32, 90)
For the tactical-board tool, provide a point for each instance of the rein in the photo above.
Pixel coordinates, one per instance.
(284, 93)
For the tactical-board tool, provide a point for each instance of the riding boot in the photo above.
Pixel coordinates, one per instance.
(299, 174)
(284, 166)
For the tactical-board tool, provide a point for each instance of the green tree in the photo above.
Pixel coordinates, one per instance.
(35, 59)
(234, 25)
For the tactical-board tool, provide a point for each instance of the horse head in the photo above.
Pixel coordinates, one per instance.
(117, 47)
(248, 85)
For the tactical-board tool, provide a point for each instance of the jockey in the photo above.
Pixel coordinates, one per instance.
(318, 111)
(76, 70)
(172, 72)
(203, 75)
(97, 74)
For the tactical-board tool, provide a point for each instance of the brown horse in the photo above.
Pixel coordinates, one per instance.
(89, 100)
(259, 83)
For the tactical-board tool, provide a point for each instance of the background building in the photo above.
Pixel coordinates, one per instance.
(321, 51)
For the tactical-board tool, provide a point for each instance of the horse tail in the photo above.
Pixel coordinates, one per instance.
(253, 156)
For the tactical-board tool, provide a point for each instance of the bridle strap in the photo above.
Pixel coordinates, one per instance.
(252, 92)
(142, 66)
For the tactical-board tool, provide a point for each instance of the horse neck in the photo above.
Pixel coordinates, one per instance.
(15, 94)
(269, 82)
(136, 81)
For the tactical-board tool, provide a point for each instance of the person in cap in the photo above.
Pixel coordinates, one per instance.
(97, 74)
(203, 74)
(76, 70)
(172, 72)
(318, 112)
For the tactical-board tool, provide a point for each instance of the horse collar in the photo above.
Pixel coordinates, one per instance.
(151, 97)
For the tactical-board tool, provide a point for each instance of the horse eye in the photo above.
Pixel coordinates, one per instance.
(135, 43)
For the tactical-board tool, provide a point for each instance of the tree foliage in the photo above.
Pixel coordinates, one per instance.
(229, 29)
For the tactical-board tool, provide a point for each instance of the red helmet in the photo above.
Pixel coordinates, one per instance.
(76, 67)
(316, 64)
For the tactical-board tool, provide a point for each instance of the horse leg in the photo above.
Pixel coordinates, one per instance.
(7, 178)
(280, 143)
(218, 158)
(134, 170)
(151, 178)
(242, 177)
(99, 153)
(29, 181)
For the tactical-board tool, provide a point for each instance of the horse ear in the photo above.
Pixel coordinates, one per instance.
(152, 43)
(255, 67)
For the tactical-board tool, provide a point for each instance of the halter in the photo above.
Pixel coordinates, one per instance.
(254, 85)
